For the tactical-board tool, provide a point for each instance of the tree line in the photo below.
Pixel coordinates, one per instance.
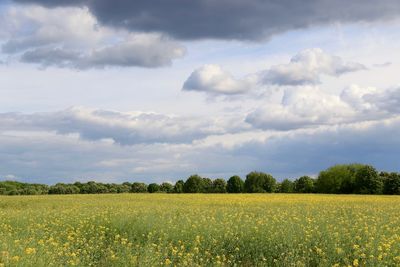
(338, 179)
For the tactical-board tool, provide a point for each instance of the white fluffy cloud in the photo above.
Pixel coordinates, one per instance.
(213, 79)
(308, 106)
(72, 37)
(307, 67)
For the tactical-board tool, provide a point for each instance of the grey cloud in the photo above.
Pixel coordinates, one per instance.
(50, 57)
(227, 19)
(122, 128)
(148, 55)
(310, 151)
(388, 100)
(383, 65)
(161, 52)
(307, 67)
(54, 158)
(71, 37)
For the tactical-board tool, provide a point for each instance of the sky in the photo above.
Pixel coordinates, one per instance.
(153, 91)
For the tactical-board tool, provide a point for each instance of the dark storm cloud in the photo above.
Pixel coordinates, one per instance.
(229, 19)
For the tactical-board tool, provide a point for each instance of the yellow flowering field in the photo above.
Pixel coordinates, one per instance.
(200, 230)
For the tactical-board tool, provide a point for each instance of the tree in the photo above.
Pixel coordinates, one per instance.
(153, 187)
(235, 185)
(337, 179)
(61, 188)
(92, 188)
(166, 187)
(138, 188)
(207, 185)
(178, 187)
(391, 183)
(259, 182)
(286, 186)
(367, 181)
(194, 184)
(219, 186)
(304, 184)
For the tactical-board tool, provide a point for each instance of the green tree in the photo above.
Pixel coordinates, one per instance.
(235, 185)
(304, 184)
(153, 188)
(391, 183)
(194, 184)
(337, 179)
(259, 182)
(138, 188)
(286, 186)
(166, 187)
(367, 181)
(178, 187)
(207, 185)
(61, 188)
(219, 186)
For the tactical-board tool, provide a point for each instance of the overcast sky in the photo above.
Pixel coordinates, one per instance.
(152, 91)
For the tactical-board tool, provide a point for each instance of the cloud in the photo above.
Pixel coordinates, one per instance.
(71, 37)
(307, 67)
(308, 106)
(226, 19)
(49, 157)
(149, 52)
(121, 128)
(295, 153)
(383, 65)
(301, 107)
(212, 79)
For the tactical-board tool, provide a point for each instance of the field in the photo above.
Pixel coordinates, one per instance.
(198, 230)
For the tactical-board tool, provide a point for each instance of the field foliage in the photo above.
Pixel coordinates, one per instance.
(200, 229)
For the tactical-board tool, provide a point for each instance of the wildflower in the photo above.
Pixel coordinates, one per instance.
(30, 251)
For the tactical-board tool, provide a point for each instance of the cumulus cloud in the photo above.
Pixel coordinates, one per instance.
(122, 128)
(72, 37)
(226, 19)
(307, 67)
(308, 106)
(212, 79)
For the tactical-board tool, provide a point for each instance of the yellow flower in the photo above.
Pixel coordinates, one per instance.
(30, 251)
(355, 262)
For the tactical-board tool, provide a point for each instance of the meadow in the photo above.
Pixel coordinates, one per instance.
(200, 230)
